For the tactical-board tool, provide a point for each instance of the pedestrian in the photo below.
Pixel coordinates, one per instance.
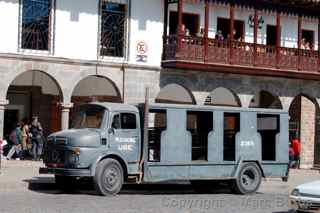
(291, 156)
(16, 139)
(296, 149)
(25, 136)
(36, 138)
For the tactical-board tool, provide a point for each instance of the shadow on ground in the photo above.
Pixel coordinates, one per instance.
(47, 185)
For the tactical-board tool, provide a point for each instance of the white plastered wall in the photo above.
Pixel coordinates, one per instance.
(146, 26)
(9, 25)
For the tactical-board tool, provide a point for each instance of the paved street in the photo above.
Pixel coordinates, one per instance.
(23, 190)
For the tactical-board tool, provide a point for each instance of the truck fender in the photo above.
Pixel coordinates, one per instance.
(241, 162)
(112, 155)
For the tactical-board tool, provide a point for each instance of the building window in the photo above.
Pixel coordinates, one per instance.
(35, 24)
(113, 19)
(231, 128)
(268, 127)
(199, 124)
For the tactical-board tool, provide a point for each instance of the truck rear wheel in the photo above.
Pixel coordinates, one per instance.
(108, 179)
(248, 180)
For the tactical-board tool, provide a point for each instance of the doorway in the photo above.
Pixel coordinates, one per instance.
(190, 20)
(11, 118)
(224, 27)
(271, 35)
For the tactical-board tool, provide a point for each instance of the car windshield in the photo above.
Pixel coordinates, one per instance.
(88, 116)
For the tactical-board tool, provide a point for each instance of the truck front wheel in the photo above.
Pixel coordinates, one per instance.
(108, 179)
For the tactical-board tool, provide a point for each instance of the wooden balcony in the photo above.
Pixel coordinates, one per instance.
(197, 53)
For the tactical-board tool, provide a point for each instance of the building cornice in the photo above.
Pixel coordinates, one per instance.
(78, 62)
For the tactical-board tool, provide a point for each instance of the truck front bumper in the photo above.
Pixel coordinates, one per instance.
(66, 172)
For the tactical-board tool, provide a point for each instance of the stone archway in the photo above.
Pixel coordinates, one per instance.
(95, 88)
(223, 97)
(305, 125)
(175, 94)
(265, 99)
(33, 93)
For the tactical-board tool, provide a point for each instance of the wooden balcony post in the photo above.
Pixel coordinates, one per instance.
(206, 30)
(231, 36)
(180, 22)
(165, 18)
(319, 44)
(278, 39)
(255, 36)
(299, 40)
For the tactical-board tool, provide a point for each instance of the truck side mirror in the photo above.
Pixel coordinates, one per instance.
(111, 131)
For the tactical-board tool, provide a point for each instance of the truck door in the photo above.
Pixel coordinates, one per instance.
(125, 135)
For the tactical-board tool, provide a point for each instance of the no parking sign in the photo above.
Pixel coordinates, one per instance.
(142, 51)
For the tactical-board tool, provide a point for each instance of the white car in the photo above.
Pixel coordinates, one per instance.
(306, 197)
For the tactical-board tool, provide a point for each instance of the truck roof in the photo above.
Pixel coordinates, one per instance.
(117, 106)
(134, 107)
(223, 108)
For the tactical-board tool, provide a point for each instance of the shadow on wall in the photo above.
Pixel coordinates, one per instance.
(89, 7)
(201, 82)
(10, 1)
(146, 14)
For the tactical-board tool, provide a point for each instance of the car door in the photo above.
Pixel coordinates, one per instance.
(125, 135)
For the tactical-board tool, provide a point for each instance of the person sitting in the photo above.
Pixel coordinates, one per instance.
(200, 33)
(219, 38)
(303, 43)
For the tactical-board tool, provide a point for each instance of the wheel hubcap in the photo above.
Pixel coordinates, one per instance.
(111, 176)
(249, 179)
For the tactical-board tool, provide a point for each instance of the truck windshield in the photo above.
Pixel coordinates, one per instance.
(88, 116)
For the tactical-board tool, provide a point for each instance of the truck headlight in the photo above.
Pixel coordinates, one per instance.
(73, 157)
(76, 150)
(295, 192)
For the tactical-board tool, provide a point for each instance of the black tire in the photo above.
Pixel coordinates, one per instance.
(65, 183)
(108, 179)
(248, 180)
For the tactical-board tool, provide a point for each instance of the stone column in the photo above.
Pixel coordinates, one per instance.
(307, 132)
(3, 103)
(65, 111)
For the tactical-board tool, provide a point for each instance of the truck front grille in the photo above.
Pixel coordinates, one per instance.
(54, 157)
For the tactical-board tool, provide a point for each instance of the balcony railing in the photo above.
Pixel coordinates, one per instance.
(211, 51)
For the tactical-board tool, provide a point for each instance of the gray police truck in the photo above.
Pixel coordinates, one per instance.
(116, 143)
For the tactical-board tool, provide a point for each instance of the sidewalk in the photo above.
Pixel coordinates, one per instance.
(19, 163)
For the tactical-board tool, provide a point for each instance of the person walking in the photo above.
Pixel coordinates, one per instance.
(291, 156)
(36, 138)
(16, 139)
(296, 149)
(24, 136)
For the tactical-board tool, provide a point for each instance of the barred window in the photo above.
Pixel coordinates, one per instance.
(113, 18)
(35, 24)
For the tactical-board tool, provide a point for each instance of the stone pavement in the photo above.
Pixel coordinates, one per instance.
(16, 173)
(22, 189)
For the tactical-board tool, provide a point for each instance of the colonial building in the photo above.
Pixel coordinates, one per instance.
(55, 54)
